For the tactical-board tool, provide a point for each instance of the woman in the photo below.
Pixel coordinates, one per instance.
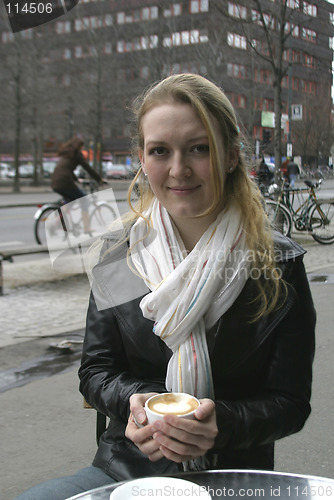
(63, 179)
(207, 303)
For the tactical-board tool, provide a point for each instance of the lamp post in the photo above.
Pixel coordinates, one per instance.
(289, 144)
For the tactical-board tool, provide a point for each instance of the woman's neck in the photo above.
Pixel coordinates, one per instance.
(191, 230)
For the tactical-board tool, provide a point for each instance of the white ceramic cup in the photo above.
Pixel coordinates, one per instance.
(170, 403)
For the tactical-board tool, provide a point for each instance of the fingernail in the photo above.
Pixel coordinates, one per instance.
(141, 417)
(157, 425)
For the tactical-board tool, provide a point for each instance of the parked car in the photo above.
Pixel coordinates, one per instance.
(117, 172)
(4, 170)
(48, 168)
(25, 171)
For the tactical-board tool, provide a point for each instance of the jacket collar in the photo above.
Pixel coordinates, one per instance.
(285, 248)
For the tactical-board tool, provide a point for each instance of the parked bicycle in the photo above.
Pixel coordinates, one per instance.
(67, 218)
(308, 213)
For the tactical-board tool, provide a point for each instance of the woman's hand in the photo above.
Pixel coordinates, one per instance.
(177, 439)
(181, 439)
(142, 436)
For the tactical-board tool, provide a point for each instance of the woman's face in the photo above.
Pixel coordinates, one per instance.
(176, 159)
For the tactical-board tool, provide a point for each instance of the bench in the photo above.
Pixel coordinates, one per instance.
(9, 253)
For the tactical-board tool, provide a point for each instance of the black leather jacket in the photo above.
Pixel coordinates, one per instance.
(262, 374)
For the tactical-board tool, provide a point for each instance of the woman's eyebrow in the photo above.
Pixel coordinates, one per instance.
(163, 141)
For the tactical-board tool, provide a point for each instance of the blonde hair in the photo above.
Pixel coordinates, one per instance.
(236, 188)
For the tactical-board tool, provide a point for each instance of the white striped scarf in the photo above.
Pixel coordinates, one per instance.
(189, 293)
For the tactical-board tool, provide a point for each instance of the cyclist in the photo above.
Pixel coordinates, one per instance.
(63, 179)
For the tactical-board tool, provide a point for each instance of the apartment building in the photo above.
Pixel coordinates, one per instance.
(81, 72)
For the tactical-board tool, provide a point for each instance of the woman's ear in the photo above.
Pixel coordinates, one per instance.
(234, 158)
(141, 159)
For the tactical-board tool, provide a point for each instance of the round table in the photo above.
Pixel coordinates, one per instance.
(223, 484)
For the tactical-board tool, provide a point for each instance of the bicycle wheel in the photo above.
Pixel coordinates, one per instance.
(322, 222)
(56, 226)
(279, 217)
(102, 216)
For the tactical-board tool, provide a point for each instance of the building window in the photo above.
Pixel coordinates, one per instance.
(264, 104)
(67, 54)
(237, 100)
(108, 20)
(236, 10)
(7, 36)
(142, 43)
(63, 27)
(291, 28)
(120, 46)
(263, 76)
(237, 41)
(78, 25)
(310, 9)
(293, 4)
(268, 19)
(108, 48)
(308, 61)
(92, 51)
(78, 51)
(177, 39)
(309, 35)
(260, 46)
(294, 54)
(295, 83)
(26, 34)
(197, 6)
(154, 41)
(144, 14)
(308, 86)
(148, 13)
(236, 70)
(120, 17)
(285, 82)
(144, 72)
(175, 9)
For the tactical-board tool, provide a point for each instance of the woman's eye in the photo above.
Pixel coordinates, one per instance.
(158, 151)
(201, 148)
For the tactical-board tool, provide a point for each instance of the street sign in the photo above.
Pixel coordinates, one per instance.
(289, 150)
(296, 111)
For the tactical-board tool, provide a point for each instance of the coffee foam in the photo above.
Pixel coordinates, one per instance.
(171, 404)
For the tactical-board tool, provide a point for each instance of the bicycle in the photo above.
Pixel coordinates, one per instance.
(311, 214)
(64, 217)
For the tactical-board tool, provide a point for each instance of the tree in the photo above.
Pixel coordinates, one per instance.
(314, 135)
(272, 44)
(15, 68)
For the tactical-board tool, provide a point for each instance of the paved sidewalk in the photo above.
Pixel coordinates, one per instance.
(41, 301)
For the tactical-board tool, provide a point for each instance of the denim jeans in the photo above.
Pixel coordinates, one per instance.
(68, 486)
(292, 179)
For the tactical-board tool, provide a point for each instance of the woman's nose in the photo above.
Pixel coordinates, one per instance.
(179, 166)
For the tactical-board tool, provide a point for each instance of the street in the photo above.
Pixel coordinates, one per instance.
(17, 227)
(17, 222)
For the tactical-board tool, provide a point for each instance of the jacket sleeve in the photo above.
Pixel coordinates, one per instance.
(283, 405)
(106, 379)
(90, 171)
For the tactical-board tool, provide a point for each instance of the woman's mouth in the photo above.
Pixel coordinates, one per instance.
(183, 190)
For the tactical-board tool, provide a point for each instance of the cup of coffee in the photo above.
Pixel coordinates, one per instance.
(171, 403)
